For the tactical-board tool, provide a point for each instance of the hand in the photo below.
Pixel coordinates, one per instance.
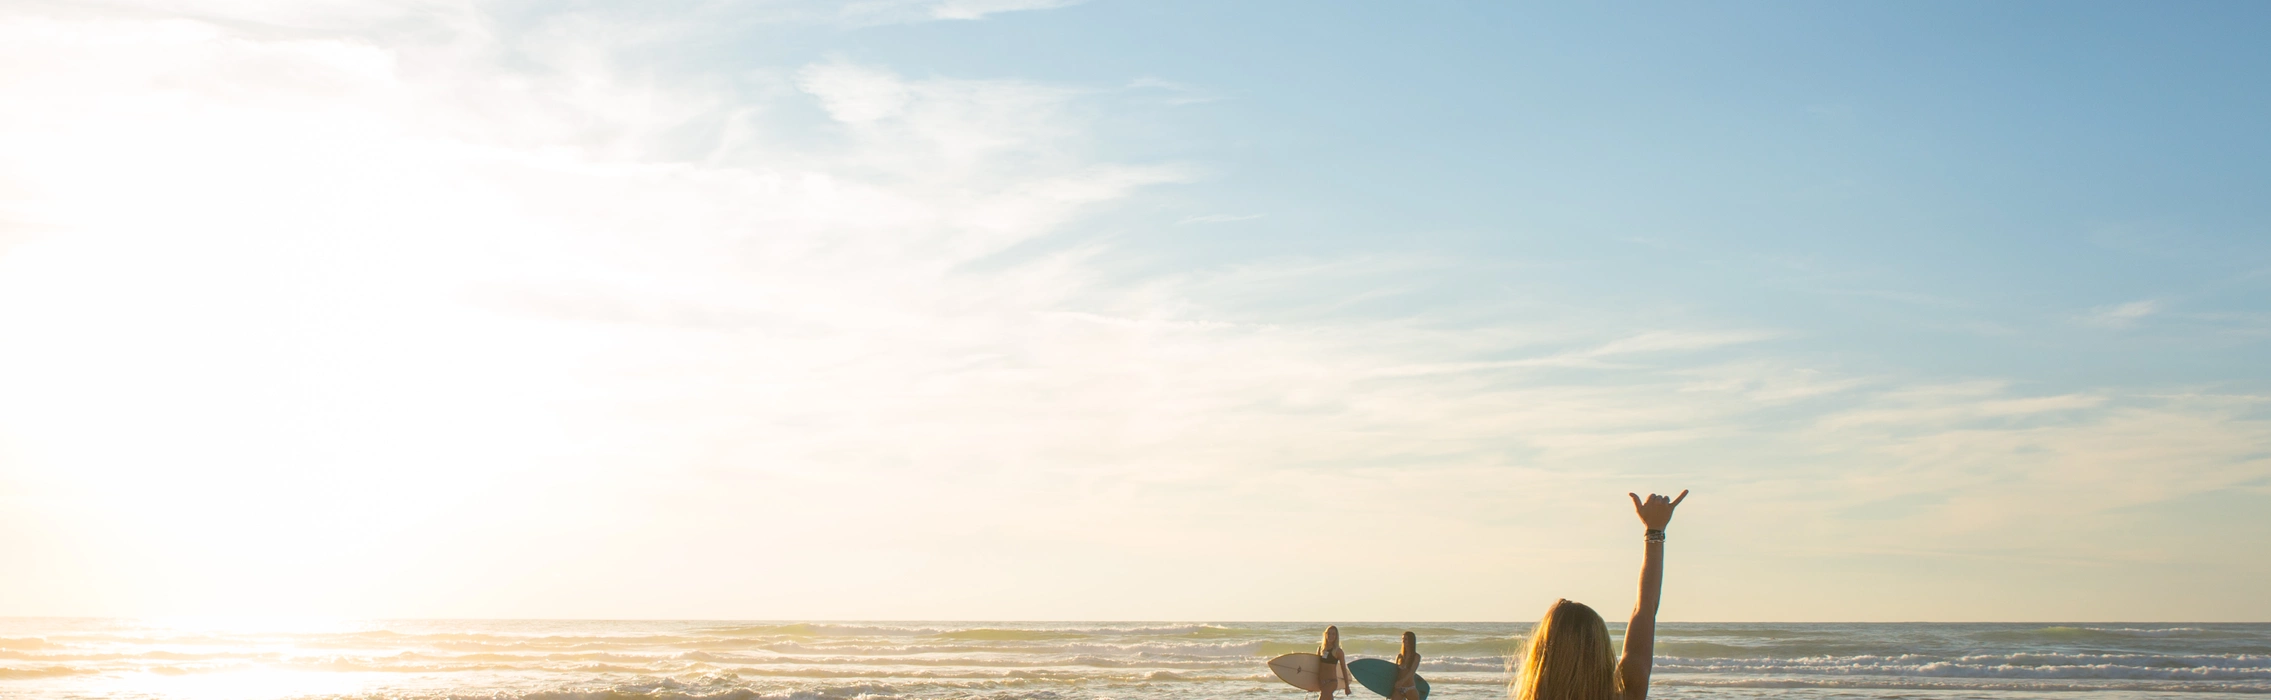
(1656, 512)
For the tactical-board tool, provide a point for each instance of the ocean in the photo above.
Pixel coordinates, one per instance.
(528, 660)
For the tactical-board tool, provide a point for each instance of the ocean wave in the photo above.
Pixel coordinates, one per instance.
(2149, 632)
(1398, 631)
(1389, 648)
(75, 655)
(729, 694)
(2040, 666)
(1091, 660)
(43, 672)
(676, 662)
(1711, 650)
(2144, 660)
(1148, 648)
(1673, 632)
(727, 688)
(1882, 683)
(816, 629)
(1453, 665)
(2071, 633)
(23, 643)
(1010, 635)
(813, 629)
(1190, 630)
(923, 660)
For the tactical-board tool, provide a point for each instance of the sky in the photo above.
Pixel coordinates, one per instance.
(1117, 310)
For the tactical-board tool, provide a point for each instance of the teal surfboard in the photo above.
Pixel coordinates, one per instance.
(1379, 676)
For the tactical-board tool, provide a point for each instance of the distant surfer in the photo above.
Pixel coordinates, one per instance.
(1568, 655)
(1322, 673)
(1334, 674)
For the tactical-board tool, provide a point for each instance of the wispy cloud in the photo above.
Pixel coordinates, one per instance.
(1177, 93)
(1217, 219)
(881, 11)
(2122, 315)
(1902, 296)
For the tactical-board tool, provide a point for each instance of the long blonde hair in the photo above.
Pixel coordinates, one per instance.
(1567, 657)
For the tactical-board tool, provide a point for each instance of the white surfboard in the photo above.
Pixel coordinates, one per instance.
(1303, 670)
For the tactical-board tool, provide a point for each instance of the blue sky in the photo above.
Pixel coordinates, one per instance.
(1031, 310)
(1944, 190)
(1895, 184)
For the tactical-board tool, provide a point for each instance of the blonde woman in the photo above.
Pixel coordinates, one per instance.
(1568, 655)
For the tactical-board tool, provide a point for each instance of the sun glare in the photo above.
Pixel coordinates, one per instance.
(256, 624)
(257, 683)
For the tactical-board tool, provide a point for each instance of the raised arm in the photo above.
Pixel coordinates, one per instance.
(1640, 634)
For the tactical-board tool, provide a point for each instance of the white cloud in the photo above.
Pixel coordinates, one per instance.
(446, 302)
(1176, 93)
(974, 9)
(2006, 464)
(1217, 219)
(2121, 315)
(891, 11)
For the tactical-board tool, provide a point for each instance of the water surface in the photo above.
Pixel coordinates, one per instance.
(598, 660)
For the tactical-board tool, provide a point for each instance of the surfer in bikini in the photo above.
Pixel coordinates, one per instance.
(1568, 655)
